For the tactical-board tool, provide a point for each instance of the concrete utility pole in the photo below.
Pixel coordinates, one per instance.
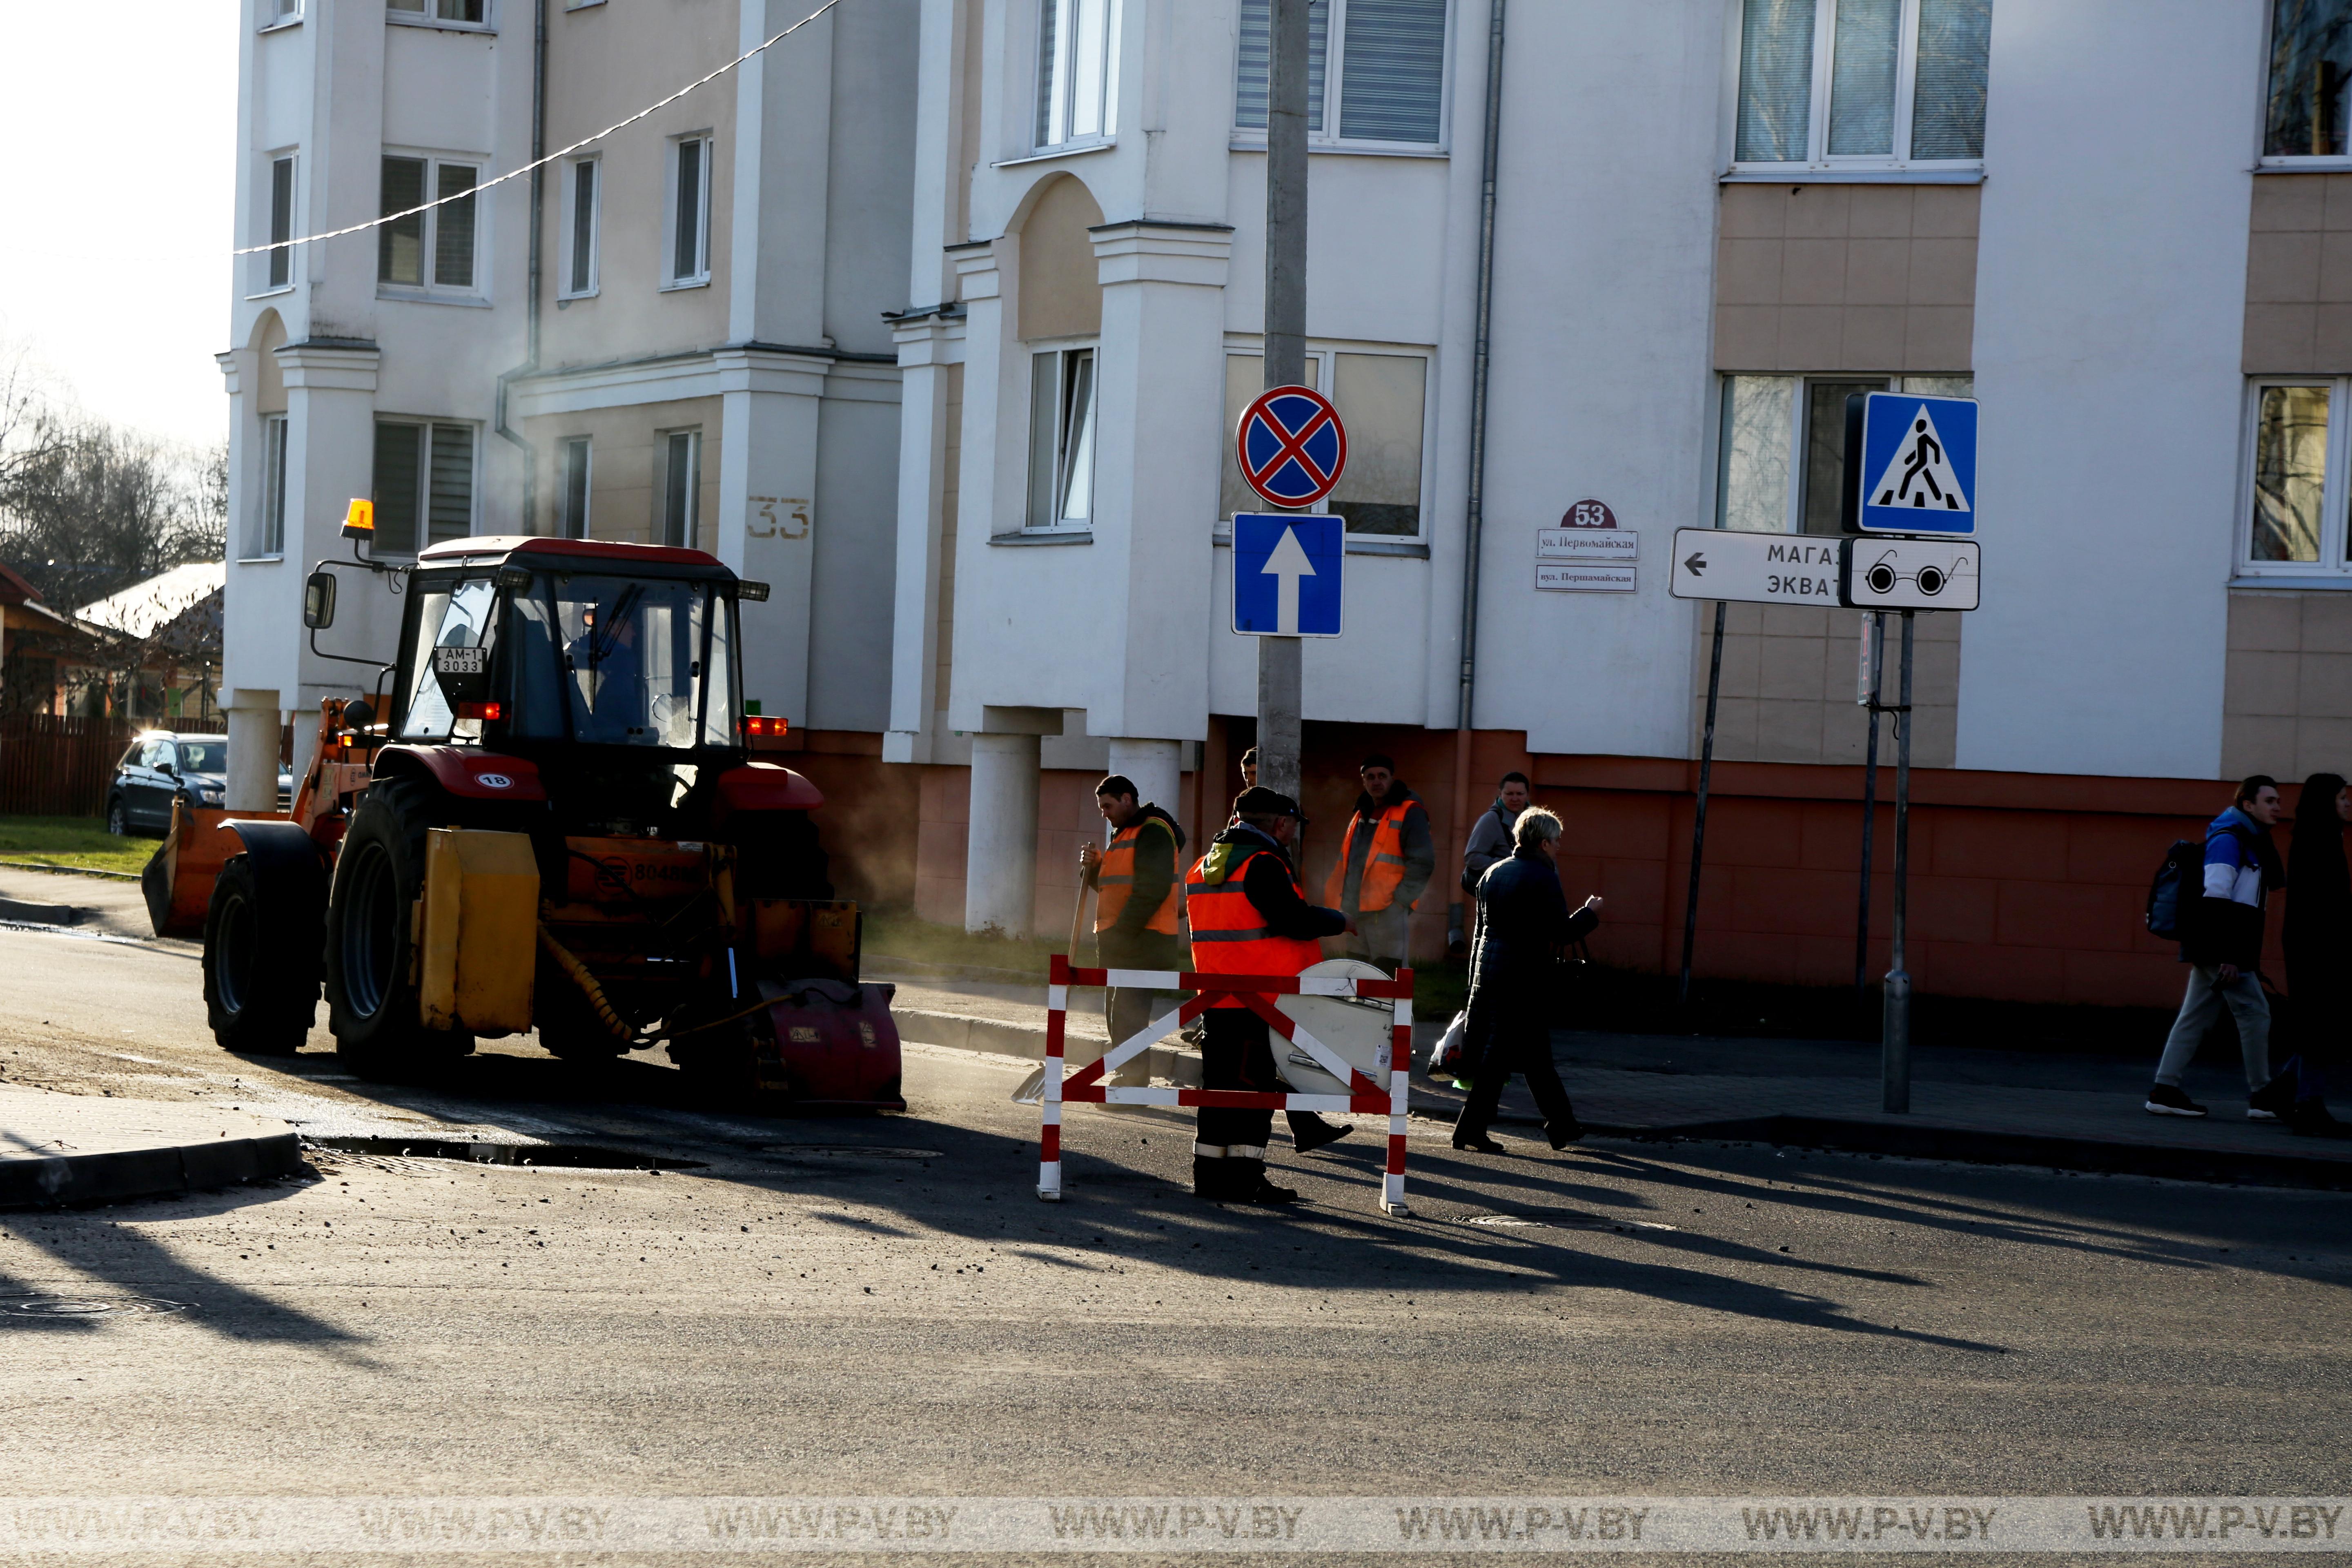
(1286, 348)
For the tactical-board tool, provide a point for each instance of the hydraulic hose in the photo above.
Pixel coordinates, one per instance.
(621, 1028)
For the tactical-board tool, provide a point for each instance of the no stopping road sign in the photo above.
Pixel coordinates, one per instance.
(1291, 446)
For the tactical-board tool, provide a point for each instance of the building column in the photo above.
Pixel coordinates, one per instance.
(255, 732)
(927, 346)
(767, 513)
(1000, 876)
(1156, 766)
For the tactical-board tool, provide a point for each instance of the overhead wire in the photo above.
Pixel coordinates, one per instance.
(541, 163)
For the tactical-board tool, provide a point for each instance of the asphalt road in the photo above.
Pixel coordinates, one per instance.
(872, 1305)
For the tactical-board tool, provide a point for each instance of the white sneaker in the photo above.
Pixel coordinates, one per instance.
(2256, 1113)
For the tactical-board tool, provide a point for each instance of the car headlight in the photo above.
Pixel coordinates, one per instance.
(209, 797)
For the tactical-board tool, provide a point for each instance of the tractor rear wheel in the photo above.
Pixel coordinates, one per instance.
(371, 1000)
(257, 1003)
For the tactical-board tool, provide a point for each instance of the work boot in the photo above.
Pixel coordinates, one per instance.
(1212, 1178)
(1250, 1185)
(2273, 1100)
(1566, 1131)
(1475, 1140)
(2311, 1118)
(1310, 1132)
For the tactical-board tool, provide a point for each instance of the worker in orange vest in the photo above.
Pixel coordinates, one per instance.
(1250, 917)
(1385, 860)
(1136, 896)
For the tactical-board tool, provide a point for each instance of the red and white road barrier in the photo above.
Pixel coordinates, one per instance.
(1086, 1086)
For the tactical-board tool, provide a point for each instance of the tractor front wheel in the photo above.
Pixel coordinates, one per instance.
(257, 1003)
(372, 994)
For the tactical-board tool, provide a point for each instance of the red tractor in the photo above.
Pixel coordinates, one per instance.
(555, 821)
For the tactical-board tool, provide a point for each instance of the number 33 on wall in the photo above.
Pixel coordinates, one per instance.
(777, 516)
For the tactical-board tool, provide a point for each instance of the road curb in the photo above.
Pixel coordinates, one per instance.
(70, 1148)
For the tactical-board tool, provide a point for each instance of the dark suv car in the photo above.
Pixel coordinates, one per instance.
(161, 767)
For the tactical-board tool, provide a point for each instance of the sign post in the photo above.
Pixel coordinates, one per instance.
(1909, 489)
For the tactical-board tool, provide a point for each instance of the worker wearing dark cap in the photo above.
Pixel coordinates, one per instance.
(1386, 858)
(1250, 917)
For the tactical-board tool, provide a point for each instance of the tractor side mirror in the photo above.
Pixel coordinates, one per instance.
(319, 600)
(464, 674)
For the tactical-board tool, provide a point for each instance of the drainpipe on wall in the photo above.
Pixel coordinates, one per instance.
(531, 292)
(1463, 815)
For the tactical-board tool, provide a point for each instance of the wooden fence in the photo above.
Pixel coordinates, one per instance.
(57, 766)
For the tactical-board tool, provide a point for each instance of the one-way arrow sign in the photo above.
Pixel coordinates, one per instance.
(1754, 568)
(1286, 574)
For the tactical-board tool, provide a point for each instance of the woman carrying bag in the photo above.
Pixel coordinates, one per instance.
(2318, 943)
(1523, 923)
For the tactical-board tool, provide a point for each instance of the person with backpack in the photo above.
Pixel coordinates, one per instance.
(2318, 942)
(2219, 925)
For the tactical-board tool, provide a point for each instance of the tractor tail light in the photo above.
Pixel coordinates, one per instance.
(759, 725)
(488, 712)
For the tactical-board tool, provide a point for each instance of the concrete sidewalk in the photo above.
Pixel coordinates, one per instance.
(2062, 1111)
(83, 1149)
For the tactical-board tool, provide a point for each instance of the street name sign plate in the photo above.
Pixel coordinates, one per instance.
(1918, 472)
(1291, 446)
(1583, 577)
(1754, 568)
(1878, 572)
(1587, 544)
(1286, 574)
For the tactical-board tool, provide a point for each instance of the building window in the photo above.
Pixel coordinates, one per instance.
(573, 455)
(2295, 492)
(278, 272)
(423, 486)
(1062, 438)
(580, 216)
(681, 512)
(1375, 70)
(277, 12)
(1781, 457)
(451, 13)
(269, 533)
(1077, 70)
(689, 213)
(1384, 398)
(1862, 84)
(432, 250)
(2311, 70)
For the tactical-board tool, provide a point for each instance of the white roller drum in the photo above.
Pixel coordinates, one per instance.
(1354, 1028)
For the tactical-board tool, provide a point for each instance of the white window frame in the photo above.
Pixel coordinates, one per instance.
(671, 278)
(2333, 567)
(1063, 109)
(267, 206)
(692, 530)
(273, 14)
(1817, 162)
(1323, 357)
(1335, 62)
(1059, 351)
(427, 14)
(2261, 119)
(1792, 506)
(269, 517)
(570, 233)
(472, 292)
(568, 526)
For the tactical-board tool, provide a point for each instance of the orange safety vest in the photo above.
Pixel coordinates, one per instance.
(1229, 934)
(1115, 881)
(1383, 865)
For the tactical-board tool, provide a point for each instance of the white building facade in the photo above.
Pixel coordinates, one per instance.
(995, 518)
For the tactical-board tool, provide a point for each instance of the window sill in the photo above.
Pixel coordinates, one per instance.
(2303, 166)
(425, 297)
(1357, 544)
(679, 285)
(1349, 149)
(272, 293)
(1047, 154)
(1840, 174)
(1046, 536)
(564, 299)
(394, 18)
(2320, 583)
(283, 24)
(261, 560)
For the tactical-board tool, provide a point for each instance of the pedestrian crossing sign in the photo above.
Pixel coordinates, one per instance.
(1918, 467)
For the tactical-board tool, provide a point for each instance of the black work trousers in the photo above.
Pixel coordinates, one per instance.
(1517, 1040)
(1237, 1052)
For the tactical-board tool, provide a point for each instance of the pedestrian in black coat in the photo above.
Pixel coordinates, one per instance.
(2318, 942)
(1524, 920)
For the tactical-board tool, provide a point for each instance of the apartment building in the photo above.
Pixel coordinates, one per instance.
(955, 356)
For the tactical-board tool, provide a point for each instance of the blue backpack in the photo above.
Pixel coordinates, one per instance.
(2179, 883)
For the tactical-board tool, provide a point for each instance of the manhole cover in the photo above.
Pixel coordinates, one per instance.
(86, 1306)
(842, 1152)
(567, 1156)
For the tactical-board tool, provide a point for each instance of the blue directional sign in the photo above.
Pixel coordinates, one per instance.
(1918, 464)
(1286, 574)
